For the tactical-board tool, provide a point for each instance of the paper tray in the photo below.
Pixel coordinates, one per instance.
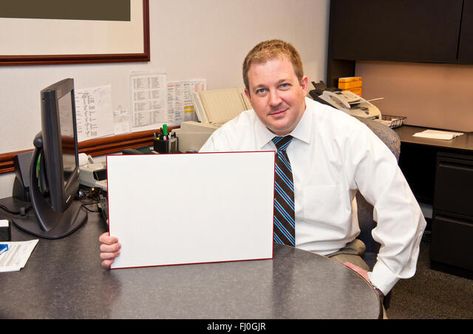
(393, 121)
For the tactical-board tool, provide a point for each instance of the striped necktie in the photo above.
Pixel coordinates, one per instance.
(284, 217)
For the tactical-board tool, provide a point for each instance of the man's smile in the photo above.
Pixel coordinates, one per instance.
(278, 112)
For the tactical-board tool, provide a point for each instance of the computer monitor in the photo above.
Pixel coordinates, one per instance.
(54, 170)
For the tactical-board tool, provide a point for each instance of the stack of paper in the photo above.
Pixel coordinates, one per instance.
(437, 134)
(17, 255)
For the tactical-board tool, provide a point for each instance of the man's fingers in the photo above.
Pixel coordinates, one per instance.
(110, 248)
(106, 238)
(107, 263)
(108, 256)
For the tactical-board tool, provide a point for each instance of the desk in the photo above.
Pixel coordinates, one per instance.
(461, 143)
(440, 173)
(63, 279)
(418, 158)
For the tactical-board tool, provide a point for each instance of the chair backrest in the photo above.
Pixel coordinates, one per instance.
(365, 210)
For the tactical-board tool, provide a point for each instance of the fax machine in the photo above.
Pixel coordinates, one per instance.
(213, 108)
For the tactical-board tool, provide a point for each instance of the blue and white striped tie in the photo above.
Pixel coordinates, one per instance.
(284, 217)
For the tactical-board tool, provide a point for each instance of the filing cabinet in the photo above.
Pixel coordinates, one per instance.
(452, 223)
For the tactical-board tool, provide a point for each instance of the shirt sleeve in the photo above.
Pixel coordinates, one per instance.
(217, 142)
(400, 222)
(222, 139)
(209, 145)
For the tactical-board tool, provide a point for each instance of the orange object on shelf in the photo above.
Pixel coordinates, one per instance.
(353, 84)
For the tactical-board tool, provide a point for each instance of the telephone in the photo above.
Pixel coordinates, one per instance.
(92, 174)
(350, 103)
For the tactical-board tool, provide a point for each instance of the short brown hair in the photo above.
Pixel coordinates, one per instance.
(272, 49)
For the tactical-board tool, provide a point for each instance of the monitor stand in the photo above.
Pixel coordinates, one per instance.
(64, 224)
(46, 222)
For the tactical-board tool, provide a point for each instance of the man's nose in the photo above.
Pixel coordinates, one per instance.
(274, 98)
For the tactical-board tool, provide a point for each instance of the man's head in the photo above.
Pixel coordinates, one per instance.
(276, 85)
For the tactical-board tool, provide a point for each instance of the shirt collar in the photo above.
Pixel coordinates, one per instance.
(301, 132)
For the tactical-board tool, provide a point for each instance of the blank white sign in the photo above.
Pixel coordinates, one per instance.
(191, 208)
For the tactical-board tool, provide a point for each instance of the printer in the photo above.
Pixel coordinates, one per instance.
(213, 108)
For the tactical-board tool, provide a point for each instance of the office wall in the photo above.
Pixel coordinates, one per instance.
(189, 39)
(429, 95)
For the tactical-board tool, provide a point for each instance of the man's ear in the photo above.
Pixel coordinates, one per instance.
(247, 93)
(305, 84)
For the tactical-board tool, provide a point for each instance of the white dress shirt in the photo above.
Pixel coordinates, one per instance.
(332, 156)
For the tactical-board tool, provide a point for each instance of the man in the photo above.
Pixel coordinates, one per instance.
(331, 156)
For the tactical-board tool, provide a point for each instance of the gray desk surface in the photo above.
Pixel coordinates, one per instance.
(63, 279)
(463, 142)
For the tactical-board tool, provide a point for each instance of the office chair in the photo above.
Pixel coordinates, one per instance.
(365, 210)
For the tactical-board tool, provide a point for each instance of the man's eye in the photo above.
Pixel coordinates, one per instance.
(284, 86)
(261, 91)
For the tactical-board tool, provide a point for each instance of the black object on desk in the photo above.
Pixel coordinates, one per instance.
(5, 230)
(103, 208)
(165, 145)
(131, 151)
(165, 141)
(51, 179)
(71, 284)
(21, 185)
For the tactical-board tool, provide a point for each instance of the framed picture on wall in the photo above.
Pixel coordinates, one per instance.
(73, 31)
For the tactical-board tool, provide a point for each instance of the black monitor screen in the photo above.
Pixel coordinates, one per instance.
(54, 170)
(66, 122)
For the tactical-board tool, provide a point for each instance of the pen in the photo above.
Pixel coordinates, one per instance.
(3, 248)
(165, 131)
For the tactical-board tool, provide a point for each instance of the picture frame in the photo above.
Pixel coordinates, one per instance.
(30, 41)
